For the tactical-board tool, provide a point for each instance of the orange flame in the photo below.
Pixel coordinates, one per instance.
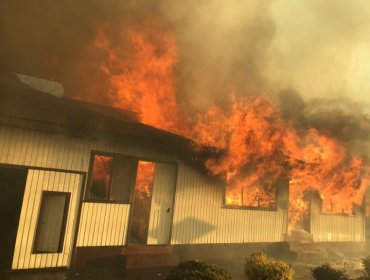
(144, 179)
(258, 145)
(140, 72)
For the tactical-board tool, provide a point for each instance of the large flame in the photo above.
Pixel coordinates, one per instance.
(258, 145)
(140, 72)
(142, 202)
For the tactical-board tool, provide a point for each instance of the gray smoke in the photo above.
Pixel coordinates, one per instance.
(318, 49)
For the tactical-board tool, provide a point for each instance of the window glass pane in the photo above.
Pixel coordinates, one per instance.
(121, 179)
(51, 222)
(142, 202)
(101, 177)
(253, 196)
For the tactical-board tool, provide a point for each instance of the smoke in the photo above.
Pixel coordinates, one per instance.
(53, 39)
(223, 47)
(320, 49)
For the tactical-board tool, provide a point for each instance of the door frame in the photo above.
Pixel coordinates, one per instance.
(137, 159)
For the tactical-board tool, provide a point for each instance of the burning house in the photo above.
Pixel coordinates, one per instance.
(247, 133)
(84, 181)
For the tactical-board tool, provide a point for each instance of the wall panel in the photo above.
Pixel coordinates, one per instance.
(201, 218)
(37, 182)
(103, 224)
(338, 228)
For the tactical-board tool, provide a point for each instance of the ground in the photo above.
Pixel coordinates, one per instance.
(234, 266)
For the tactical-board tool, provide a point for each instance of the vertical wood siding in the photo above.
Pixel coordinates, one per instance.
(338, 228)
(42, 149)
(103, 224)
(38, 181)
(56, 151)
(200, 217)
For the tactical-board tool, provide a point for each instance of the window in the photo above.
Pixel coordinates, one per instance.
(111, 178)
(252, 197)
(51, 222)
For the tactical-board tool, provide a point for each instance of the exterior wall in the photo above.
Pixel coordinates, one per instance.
(336, 227)
(63, 153)
(103, 224)
(201, 218)
(46, 150)
(199, 215)
(38, 181)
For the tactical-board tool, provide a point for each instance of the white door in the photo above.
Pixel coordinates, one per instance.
(162, 204)
(48, 220)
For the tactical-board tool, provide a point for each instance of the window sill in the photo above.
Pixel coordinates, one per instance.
(105, 201)
(253, 208)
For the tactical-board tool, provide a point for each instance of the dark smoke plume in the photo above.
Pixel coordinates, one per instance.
(318, 49)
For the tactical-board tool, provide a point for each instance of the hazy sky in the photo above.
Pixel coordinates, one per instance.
(322, 48)
(318, 48)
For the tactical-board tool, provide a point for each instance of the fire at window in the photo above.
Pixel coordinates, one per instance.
(251, 197)
(101, 177)
(142, 202)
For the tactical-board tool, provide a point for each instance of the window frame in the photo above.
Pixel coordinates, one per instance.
(245, 207)
(86, 197)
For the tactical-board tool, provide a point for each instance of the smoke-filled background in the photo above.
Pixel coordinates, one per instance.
(313, 55)
(203, 69)
(319, 48)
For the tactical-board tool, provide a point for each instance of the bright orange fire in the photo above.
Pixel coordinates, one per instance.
(144, 179)
(340, 179)
(252, 135)
(142, 202)
(141, 73)
(258, 146)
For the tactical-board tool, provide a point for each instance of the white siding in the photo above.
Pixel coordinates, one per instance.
(41, 149)
(38, 181)
(103, 224)
(200, 217)
(56, 151)
(338, 228)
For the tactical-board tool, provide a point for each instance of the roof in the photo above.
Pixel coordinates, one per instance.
(23, 106)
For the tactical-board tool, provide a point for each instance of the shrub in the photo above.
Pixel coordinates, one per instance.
(196, 270)
(366, 265)
(326, 272)
(261, 267)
